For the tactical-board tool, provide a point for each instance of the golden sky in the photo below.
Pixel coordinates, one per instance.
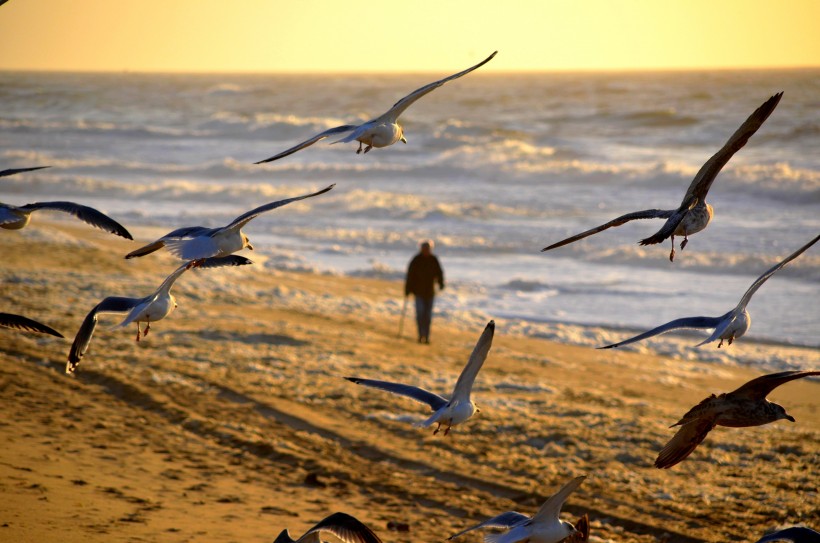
(407, 35)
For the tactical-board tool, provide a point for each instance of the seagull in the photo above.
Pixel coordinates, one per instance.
(693, 214)
(795, 534)
(13, 171)
(150, 309)
(459, 407)
(746, 406)
(728, 326)
(345, 527)
(382, 131)
(7, 320)
(15, 218)
(581, 534)
(544, 527)
(196, 242)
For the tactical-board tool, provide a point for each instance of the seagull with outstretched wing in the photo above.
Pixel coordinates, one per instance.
(545, 527)
(729, 326)
(459, 407)
(744, 407)
(693, 214)
(343, 526)
(17, 217)
(18, 322)
(382, 131)
(195, 242)
(149, 309)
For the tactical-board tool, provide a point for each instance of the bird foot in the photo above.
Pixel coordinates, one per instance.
(359, 150)
(731, 339)
(720, 344)
(447, 431)
(367, 149)
(138, 332)
(437, 429)
(672, 255)
(145, 332)
(683, 243)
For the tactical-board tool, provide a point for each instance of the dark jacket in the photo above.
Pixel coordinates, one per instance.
(422, 273)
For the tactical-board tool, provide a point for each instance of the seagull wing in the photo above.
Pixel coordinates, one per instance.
(204, 264)
(684, 442)
(677, 324)
(763, 278)
(187, 232)
(398, 108)
(13, 171)
(435, 401)
(7, 320)
(759, 388)
(623, 219)
(345, 527)
(504, 520)
(464, 385)
(795, 534)
(551, 508)
(311, 141)
(113, 304)
(708, 172)
(85, 214)
(243, 219)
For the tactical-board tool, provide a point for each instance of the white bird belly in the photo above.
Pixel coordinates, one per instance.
(739, 326)
(381, 135)
(695, 220)
(157, 310)
(550, 533)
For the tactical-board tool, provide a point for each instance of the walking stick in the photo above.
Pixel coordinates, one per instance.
(401, 320)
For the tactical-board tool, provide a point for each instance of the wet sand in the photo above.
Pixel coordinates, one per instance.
(231, 421)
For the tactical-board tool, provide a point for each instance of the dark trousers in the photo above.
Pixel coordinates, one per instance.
(424, 314)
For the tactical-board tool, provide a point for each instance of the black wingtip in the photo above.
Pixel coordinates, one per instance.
(607, 346)
(353, 379)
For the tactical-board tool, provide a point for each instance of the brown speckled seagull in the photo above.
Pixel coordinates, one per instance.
(694, 214)
(744, 407)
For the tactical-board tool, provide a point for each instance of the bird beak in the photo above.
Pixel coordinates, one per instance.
(790, 418)
(250, 246)
(403, 139)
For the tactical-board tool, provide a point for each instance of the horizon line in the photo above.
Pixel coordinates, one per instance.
(524, 71)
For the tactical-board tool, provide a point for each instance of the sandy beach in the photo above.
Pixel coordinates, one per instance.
(231, 421)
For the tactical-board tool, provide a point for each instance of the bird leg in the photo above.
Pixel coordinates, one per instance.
(721, 343)
(138, 331)
(672, 253)
(447, 431)
(359, 150)
(369, 147)
(731, 339)
(437, 429)
(147, 327)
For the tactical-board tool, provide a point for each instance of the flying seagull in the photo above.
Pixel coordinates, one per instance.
(795, 534)
(7, 320)
(382, 131)
(195, 242)
(12, 171)
(544, 527)
(693, 214)
(746, 406)
(345, 527)
(15, 218)
(459, 407)
(728, 326)
(149, 309)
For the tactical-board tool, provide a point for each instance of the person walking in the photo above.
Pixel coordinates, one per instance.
(422, 273)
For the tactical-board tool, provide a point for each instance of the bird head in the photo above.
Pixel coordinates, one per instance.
(780, 412)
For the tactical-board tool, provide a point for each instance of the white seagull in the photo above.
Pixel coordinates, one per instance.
(544, 527)
(8, 320)
(729, 326)
(385, 129)
(345, 527)
(149, 309)
(694, 214)
(459, 407)
(17, 217)
(195, 242)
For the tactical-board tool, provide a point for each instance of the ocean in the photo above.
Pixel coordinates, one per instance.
(496, 167)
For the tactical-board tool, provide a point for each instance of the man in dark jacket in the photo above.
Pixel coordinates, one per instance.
(423, 272)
